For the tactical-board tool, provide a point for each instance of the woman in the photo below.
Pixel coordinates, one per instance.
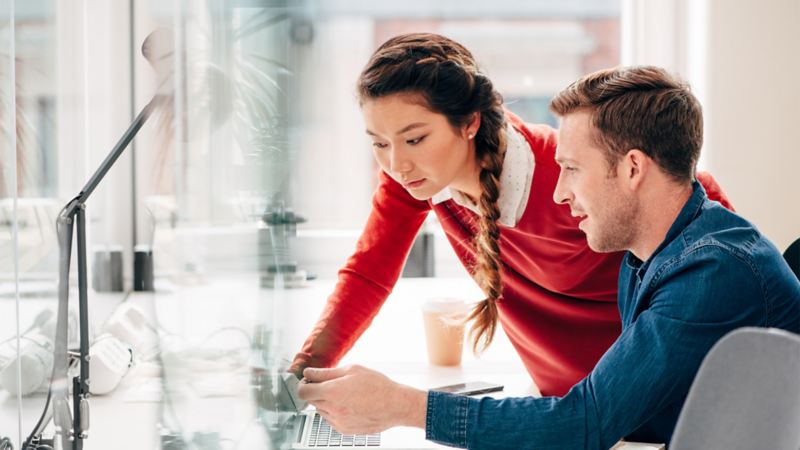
(444, 142)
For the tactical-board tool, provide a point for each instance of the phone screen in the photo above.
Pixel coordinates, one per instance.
(470, 388)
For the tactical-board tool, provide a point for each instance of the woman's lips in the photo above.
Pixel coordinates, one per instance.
(414, 184)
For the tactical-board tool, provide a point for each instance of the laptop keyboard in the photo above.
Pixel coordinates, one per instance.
(323, 435)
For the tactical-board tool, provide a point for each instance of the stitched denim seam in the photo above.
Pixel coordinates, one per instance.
(461, 420)
(428, 417)
(736, 253)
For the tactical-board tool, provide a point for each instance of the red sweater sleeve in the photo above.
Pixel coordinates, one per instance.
(713, 189)
(367, 278)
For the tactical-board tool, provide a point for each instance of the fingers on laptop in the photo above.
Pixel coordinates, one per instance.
(316, 375)
(313, 392)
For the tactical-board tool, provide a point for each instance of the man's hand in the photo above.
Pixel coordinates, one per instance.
(357, 400)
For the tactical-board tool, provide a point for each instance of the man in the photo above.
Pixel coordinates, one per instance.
(628, 147)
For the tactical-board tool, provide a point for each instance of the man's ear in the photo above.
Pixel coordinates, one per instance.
(634, 167)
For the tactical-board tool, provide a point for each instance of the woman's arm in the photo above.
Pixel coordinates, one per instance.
(714, 190)
(368, 276)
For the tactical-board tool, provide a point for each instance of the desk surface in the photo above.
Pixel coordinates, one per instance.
(204, 370)
(210, 395)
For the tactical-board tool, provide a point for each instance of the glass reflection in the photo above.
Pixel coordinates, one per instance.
(28, 185)
(222, 221)
(243, 187)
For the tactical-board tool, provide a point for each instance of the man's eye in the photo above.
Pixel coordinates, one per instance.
(415, 141)
(570, 168)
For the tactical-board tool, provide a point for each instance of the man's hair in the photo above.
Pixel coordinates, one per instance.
(640, 107)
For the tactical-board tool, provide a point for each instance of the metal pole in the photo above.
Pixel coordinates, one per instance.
(83, 305)
(81, 383)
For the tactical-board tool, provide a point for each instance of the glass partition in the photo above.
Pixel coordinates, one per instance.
(216, 236)
(9, 414)
(28, 209)
(213, 187)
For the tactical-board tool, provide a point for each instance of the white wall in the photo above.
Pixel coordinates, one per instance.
(753, 123)
(93, 111)
(333, 152)
(742, 58)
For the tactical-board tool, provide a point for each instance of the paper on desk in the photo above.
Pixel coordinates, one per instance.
(148, 390)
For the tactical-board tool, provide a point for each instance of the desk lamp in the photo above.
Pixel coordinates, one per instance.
(72, 428)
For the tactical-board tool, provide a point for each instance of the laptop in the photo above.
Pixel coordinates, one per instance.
(307, 429)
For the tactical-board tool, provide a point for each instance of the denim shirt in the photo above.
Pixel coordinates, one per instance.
(713, 273)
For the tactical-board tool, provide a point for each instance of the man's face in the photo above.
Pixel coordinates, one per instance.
(594, 192)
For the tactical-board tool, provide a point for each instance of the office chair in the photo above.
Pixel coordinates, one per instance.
(745, 396)
(792, 256)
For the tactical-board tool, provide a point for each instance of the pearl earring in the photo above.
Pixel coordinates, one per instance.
(470, 136)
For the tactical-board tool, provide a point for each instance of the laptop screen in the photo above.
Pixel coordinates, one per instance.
(276, 397)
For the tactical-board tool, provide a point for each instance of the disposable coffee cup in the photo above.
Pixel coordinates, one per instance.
(444, 330)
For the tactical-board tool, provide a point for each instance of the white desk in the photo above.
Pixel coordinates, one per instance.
(211, 395)
(211, 399)
(31, 407)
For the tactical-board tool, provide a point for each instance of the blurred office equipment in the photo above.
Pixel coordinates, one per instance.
(109, 361)
(745, 396)
(143, 272)
(421, 261)
(107, 269)
(35, 359)
(129, 324)
(127, 336)
(276, 231)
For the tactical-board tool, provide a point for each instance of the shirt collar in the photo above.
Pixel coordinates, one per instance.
(685, 217)
(515, 181)
(687, 214)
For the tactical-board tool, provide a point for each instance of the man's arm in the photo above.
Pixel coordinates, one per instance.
(639, 385)
(644, 376)
(357, 400)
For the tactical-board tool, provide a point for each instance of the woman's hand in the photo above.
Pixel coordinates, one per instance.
(357, 400)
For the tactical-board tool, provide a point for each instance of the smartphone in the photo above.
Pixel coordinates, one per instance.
(290, 383)
(470, 388)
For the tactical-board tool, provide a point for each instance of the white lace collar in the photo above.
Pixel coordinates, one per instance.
(515, 181)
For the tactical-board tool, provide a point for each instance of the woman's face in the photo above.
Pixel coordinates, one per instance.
(419, 148)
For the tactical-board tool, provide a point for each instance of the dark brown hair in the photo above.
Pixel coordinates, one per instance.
(444, 74)
(640, 107)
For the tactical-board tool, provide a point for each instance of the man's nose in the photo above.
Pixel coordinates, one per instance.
(561, 194)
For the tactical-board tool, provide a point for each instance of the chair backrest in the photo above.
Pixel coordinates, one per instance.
(745, 396)
(792, 256)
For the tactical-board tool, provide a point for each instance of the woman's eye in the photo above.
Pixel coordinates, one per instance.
(378, 145)
(415, 141)
(570, 169)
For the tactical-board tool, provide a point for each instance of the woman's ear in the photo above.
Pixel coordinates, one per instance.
(473, 125)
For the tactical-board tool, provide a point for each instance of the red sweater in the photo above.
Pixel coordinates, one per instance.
(559, 305)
